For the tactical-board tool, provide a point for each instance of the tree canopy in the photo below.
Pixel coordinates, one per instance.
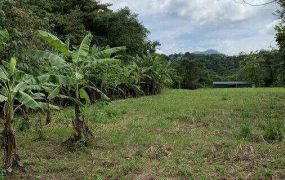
(72, 20)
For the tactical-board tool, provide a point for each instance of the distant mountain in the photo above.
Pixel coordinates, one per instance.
(208, 52)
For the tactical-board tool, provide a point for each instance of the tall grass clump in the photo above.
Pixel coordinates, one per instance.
(246, 130)
(274, 130)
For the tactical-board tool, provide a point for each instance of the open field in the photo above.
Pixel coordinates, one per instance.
(179, 134)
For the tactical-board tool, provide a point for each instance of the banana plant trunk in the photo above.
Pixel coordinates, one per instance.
(48, 117)
(12, 159)
(81, 130)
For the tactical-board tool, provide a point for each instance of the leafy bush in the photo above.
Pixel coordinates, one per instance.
(274, 130)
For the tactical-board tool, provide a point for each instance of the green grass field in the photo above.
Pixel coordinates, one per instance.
(179, 134)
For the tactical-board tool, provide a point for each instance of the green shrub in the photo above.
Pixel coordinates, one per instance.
(246, 130)
(274, 130)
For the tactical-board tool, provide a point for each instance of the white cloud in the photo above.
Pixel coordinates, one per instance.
(202, 11)
(190, 25)
(234, 47)
(205, 11)
(270, 27)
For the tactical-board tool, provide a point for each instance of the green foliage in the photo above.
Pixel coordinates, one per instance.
(17, 90)
(274, 130)
(20, 21)
(84, 95)
(122, 29)
(263, 69)
(84, 61)
(76, 68)
(147, 75)
(197, 71)
(254, 69)
(4, 37)
(192, 73)
(280, 37)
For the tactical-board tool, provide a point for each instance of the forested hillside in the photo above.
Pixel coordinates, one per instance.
(263, 69)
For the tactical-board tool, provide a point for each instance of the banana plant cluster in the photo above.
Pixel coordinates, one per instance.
(18, 89)
(68, 69)
(77, 65)
(71, 74)
(154, 72)
(142, 76)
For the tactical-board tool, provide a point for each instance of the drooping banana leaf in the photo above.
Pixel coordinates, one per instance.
(54, 42)
(27, 100)
(54, 59)
(103, 95)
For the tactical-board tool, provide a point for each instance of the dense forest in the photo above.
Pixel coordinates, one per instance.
(76, 52)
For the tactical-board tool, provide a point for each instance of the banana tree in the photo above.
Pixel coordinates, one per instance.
(154, 73)
(16, 91)
(77, 65)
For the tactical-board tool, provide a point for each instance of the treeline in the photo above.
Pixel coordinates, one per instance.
(262, 69)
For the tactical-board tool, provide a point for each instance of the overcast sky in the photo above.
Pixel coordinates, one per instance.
(198, 25)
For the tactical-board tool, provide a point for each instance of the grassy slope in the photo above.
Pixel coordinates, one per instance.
(178, 134)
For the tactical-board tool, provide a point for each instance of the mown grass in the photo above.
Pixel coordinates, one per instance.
(179, 134)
